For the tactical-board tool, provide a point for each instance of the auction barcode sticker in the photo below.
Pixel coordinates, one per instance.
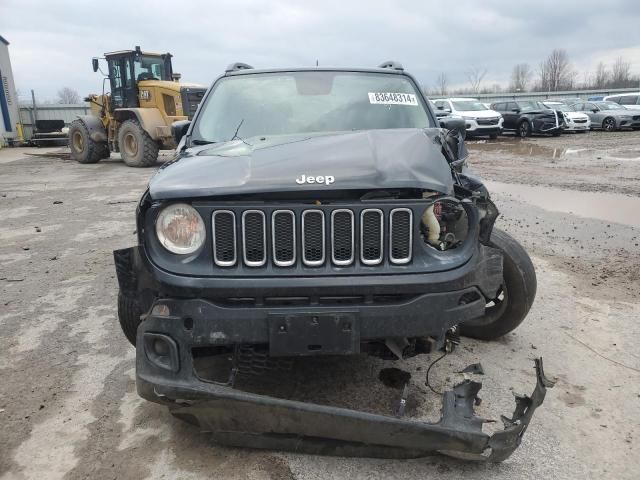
(387, 98)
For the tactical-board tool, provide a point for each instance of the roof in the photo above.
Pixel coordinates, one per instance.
(4, 40)
(249, 71)
(125, 52)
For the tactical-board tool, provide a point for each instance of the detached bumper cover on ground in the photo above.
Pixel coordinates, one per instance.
(238, 418)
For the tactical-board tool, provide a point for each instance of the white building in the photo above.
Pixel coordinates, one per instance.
(8, 98)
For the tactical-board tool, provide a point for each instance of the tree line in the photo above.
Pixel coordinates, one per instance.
(555, 73)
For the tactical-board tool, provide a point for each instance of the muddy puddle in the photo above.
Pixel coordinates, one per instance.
(516, 147)
(602, 206)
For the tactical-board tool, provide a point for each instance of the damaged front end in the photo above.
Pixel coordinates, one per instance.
(236, 418)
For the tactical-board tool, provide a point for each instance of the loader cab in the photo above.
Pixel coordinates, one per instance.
(128, 67)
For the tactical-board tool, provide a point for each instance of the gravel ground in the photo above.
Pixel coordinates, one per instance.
(68, 407)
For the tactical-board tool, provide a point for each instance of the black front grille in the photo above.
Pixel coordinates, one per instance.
(191, 98)
(254, 238)
(371, 224)
(488, 121)
(580, 121)
(636, 117)
(313, 237)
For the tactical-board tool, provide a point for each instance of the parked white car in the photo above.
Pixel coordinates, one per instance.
(574, 121)
(628, 100)
(479, 119)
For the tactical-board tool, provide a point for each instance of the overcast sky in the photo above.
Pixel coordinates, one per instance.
(52, 42)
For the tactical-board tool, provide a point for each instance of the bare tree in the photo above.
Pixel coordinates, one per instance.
(601, 77)
(68, 95)
(620, 73)
(520, 76)
(442, 82)
(475, 76)
(555, 72)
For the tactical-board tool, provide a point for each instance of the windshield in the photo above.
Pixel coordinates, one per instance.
(149, 68)
(308, 102)
(610, 106)
(560, 106)
(468, 105)
(530, 105)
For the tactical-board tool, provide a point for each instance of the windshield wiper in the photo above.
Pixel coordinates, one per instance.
(201, 142)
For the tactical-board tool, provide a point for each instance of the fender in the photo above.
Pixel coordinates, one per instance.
(150, 119)
(97, 132)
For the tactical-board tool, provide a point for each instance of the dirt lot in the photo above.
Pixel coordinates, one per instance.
(68, 407)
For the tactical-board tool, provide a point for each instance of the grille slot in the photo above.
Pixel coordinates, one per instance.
(342, 237)
(400, 235)
(283, 236)
(224, 238)
(313, 238)
(254, 241)
(371, 236)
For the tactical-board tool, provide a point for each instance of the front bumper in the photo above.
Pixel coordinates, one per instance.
(247, 310)
(577, 127)
(475, 129)
(242, 419)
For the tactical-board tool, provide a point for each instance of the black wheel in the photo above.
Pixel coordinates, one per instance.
(515, 297)
(83, 148)
(609, 124)
(129, 313)
(524, 129)
(137, 148)
(493, 136)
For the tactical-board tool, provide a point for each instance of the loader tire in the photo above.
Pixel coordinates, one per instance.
(83, 148)
(515, 297)
(129, 313)
(137, 148)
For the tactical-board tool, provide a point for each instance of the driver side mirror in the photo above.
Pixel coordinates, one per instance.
(455, 125)
(179, 129)
(94, 64)
(595, 110)
(515, 110)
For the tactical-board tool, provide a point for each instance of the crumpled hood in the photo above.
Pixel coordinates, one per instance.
(370, 159)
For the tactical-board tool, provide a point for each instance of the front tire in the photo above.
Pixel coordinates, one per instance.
(609, 124)
(137, 148)
(515, 297)
(129, 313)
(524, 129)
(83, 148)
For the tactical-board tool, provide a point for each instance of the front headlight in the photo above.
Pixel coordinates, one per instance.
(445, 224)
(180, 229)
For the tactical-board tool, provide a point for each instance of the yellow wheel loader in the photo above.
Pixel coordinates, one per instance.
(135, 117)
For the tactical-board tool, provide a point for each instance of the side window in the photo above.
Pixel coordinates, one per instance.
(498, 107)
(511, 106)
(439, 104)
(628, 100)
(128, 81)
(579, 107)
(615, 99)
(589, 106)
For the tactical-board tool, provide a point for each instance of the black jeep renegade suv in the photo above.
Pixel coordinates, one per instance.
(308, 212)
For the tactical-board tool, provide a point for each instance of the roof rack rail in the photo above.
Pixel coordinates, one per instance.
(234, 67)
(391, 64)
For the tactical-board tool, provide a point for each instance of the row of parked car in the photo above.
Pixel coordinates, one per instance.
(553, 117)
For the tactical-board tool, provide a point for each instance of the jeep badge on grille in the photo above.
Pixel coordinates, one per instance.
(326, 179)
